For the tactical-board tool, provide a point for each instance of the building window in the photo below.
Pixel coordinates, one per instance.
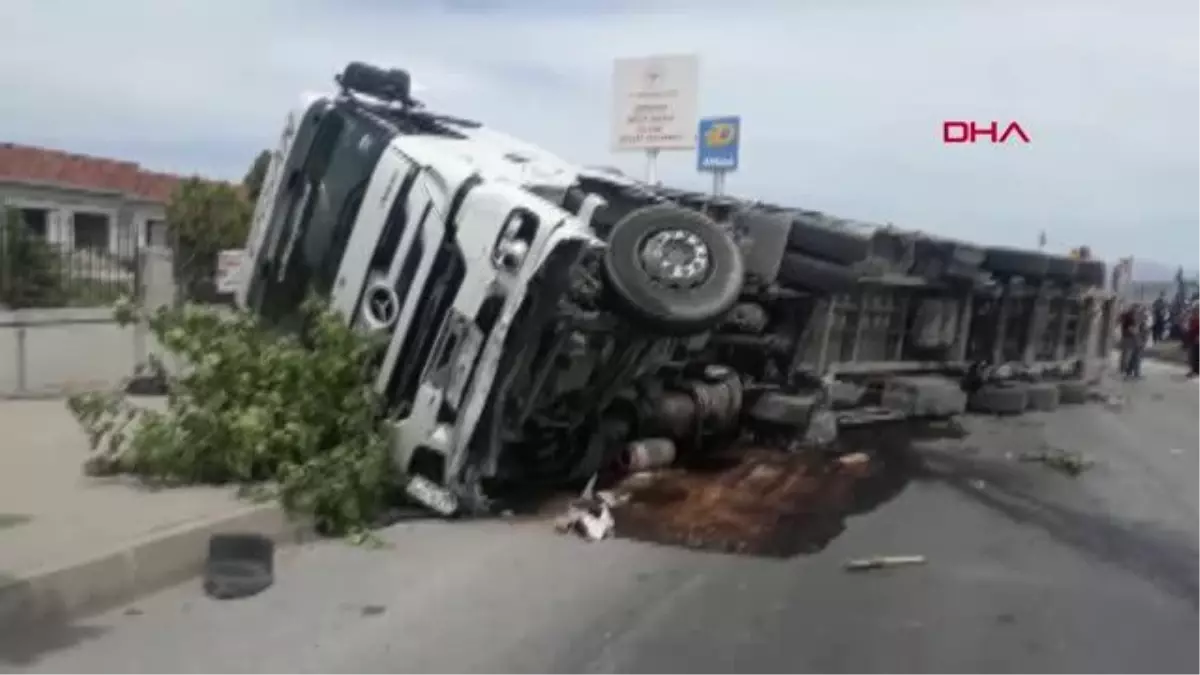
(91, 231)
(37, 220)
(156, 233)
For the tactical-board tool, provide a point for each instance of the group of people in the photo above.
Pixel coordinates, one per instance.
(1140, 326)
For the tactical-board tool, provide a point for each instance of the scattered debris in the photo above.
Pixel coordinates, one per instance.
(591, 520)
(979, 484)
(590, 516)
(855, 463)
(372, 610)
(1176, 451)
(1068, 462)
(882, 562)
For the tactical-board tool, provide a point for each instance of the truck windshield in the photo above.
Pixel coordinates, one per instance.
(322, 204)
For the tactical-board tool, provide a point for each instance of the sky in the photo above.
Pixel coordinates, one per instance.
(842, 101)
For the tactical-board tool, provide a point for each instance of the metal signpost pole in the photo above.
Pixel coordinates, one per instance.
(652, 166)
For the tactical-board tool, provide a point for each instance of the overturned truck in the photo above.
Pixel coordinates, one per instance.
(540, 317)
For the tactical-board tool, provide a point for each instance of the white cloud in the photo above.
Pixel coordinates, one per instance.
(842, 101)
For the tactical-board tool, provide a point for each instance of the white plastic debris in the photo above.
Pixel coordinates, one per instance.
(590, 516)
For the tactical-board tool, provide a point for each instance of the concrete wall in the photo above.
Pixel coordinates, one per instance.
(52, 352)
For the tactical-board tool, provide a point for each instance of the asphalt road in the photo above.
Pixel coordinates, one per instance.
(1029, 570)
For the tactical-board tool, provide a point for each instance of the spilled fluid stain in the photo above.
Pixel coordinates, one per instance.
(765, 502)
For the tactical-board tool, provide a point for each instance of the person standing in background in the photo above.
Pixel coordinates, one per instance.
(1159, 316)
(1127, 325)
(1191, 338)
(1141, 339)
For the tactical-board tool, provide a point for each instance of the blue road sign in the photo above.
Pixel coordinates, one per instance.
(719, 141)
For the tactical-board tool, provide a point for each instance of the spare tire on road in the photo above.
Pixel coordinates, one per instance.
(238, 565)
(673, 270)
(815, 234)
(999, 399)
(1043, 396)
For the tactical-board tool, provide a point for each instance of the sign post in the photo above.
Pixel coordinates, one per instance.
(654, 106)
(720, 138)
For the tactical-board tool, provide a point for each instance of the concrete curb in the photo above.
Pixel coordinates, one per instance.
(159, 560)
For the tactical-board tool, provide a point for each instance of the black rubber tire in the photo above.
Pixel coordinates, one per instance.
(238, 565)
(1091, 274)
(1061, 269)
(936, 259)
(999, 399)
(805, 272)
(1043, 396)
(813, 234)
(1015, 262)
(892, 251)
(660, 308)
(1073, 392)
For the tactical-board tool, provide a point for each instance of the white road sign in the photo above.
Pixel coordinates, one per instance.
(654, 103)
(229, 265)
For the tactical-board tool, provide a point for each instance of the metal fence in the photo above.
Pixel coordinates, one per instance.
(94, 268)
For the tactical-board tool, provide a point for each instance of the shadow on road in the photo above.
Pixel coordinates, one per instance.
(22, 643)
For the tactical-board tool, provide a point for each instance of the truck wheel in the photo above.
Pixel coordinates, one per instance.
(1091, 273)
(1061, 269)
(1017, 263)
(999, 399)
(814, 234)
(673, 270)
(1072, 392)
(808, 273)
(1043, 396)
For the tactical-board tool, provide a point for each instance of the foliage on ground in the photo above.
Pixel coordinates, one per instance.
(292, 415)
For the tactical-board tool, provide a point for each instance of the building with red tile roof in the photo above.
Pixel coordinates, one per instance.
(82, 201)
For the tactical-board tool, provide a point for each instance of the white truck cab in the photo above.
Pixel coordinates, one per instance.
(436, 232)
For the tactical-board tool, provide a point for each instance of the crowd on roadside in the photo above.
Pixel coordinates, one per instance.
(1141, 326)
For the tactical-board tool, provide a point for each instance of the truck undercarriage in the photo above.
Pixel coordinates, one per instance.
(563, 315)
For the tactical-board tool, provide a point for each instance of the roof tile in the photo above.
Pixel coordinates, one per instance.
(23, 163)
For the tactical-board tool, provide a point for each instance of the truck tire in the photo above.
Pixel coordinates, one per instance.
(892, 251)
(1072, 392)
(1016, 263)
(1091, 274)
(938, 260)
(814, 234)
(1061, 269)
(1043, 396)
(238, 565)
(672, 270)
(999, 399)
(805, 272)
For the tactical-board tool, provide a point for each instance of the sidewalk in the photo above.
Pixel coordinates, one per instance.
(70, 544)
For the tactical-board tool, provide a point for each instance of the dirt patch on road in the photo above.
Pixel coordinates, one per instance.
(766, 502)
